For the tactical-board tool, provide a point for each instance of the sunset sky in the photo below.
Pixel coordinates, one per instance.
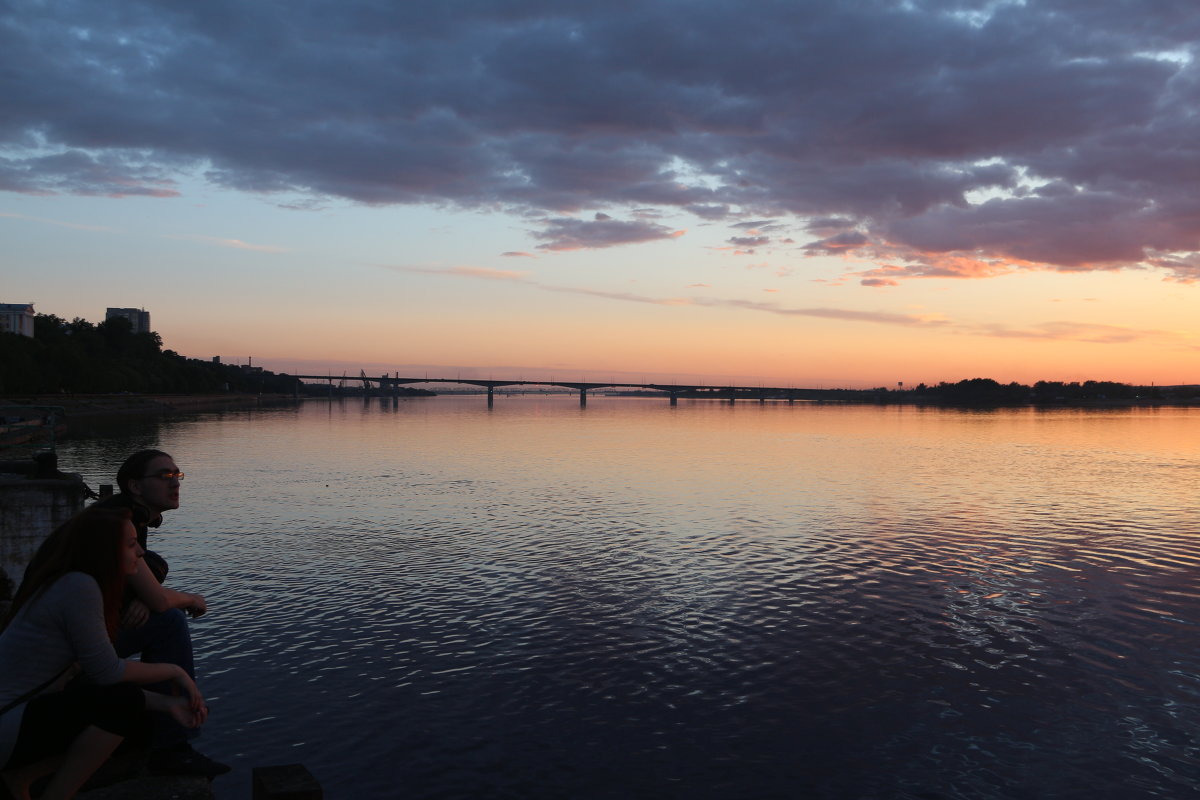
(789, 193)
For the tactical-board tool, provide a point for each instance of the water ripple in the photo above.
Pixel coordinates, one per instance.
(708, 602)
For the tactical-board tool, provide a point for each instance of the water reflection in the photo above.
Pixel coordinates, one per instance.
(634, 600)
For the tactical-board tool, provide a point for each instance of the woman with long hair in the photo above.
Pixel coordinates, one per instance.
(61, 622)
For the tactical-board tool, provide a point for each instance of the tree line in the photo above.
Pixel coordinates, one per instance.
(108, 357)
(985, 391)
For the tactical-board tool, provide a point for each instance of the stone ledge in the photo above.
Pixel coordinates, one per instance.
(154, 787)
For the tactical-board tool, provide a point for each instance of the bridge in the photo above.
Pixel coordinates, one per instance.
(672, 391)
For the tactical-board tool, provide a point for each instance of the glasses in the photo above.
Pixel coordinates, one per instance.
(167, 476)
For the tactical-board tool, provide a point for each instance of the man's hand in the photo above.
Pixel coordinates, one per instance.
(197, 607)
(135, 615)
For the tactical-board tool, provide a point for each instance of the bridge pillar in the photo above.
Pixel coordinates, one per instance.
(582, 398)
(674, 399)
(490, 396)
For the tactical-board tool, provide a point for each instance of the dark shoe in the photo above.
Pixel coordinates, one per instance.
(183, 760)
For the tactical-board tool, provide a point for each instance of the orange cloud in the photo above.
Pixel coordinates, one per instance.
(238, 244)
(487, 274)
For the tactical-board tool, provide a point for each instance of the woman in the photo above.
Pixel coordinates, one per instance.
(62, 620)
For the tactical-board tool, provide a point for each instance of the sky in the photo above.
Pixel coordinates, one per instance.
(812, 194)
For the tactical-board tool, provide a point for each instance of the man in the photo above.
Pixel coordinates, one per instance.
(154, 618)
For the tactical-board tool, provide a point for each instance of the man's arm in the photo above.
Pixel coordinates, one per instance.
(159, 598)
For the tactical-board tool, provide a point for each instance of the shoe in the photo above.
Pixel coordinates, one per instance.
(183, 760)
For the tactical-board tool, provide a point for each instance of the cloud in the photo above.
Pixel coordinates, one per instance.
(518, 254)
(61, 224)
(1042, 135)
(236, 244)
(627, 297)
(930, 265)
(480, 273)
(709, 212)
(838, 243)
(568, 233)
(850, 315)
(749, 241)
(844, 314)
(488, 274)
(74, 171)
(1093, 333)
(1182, 267)
(1072, 331)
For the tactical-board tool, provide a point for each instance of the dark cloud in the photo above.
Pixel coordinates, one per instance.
(710, 212)
(749, 241)
(1045, 134)
(840, 243)
(568, 233)
(114, 174)
(825, 225)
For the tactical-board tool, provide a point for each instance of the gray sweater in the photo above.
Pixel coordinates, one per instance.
(61, 626)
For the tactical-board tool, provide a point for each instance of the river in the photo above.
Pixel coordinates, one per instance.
(431, 599)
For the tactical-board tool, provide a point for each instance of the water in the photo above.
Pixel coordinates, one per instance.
(710, 601)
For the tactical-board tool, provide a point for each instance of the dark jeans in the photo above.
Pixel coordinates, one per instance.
(164, 639)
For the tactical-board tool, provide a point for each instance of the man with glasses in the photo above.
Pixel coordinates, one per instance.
(154, 617)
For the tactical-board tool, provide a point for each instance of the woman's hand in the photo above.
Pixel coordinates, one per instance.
(183, 713)
(188, 711)
(191, 692)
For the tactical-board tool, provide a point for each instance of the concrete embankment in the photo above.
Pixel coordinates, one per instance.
(154, 787)
(34, 499)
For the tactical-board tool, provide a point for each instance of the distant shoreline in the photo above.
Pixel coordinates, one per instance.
(90, 407)
(94, 406)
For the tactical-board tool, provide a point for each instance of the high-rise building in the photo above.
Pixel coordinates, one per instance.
(139, 318)
(17, 318)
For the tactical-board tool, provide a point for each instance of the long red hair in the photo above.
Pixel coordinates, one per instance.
(89, 542)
